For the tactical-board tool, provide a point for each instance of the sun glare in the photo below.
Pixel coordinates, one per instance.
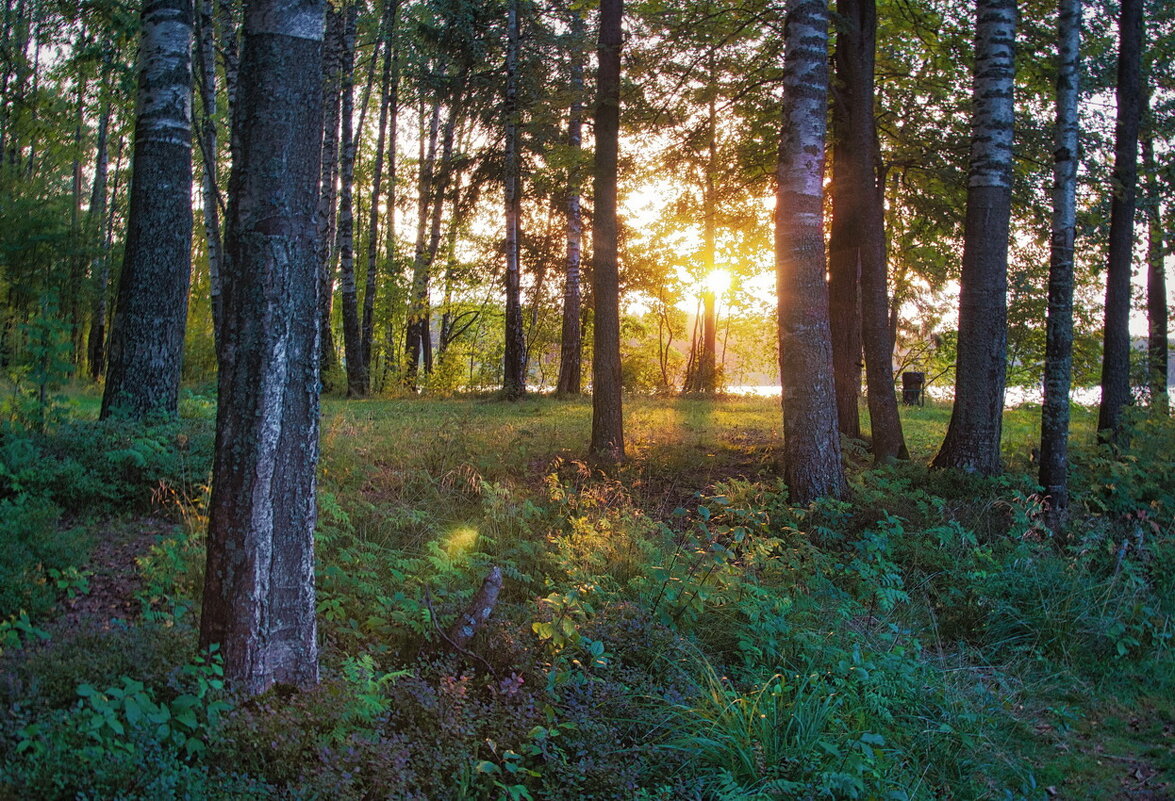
(718, 281)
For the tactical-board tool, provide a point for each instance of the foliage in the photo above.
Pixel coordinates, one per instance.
(37, 558)
(650, 642)
(123, 741)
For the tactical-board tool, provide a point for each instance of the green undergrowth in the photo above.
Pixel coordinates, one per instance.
(56, 485)
(669, 629)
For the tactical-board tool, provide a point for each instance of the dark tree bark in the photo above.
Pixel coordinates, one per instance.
(811, 444)
(228, 31)
(259, 581)
(77, 273)
(326, 219)
(514, 367)
(147, 335)
(388, 106)
(418, 341)
(571, 334)
(99, 327)
(973, 437)
(205, 52)
(1116, 334)
(1156, 281)
(100, 264)
(844, 257)
(437, 177)
(607, 441)
(352, 347)
(1058, 362)
(702, 373)
(859, 218)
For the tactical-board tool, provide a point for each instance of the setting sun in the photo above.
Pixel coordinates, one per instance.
(717, 282)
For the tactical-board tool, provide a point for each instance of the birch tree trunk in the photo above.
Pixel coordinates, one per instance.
(259, 581)
(973, 437)
(607, 441)
(1116, 334)
(1058, 360)
(811, 444)
(147, 335)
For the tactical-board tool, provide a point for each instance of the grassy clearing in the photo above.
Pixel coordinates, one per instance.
(669, 629)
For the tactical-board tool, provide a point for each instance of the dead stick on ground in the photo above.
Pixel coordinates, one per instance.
(478, 611)
(475, 614)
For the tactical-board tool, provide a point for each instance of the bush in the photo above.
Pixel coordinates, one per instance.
(33, 548)
(126, 740)
(89, 468)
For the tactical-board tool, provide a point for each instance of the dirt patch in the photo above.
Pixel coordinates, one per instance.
(113, 576)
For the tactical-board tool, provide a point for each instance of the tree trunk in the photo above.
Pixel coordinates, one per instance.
(1156, 280)
(99, 264)
(205, 52)
(99, 328)
(811, 444)
(607, 441)
(77, 272)
(1116, 335)
(325, 219)
(147, 336)
(571, 335)
(259, 581)
(513, 377)
(973, 437)
(439, 176)
(860, 199)
(844, 237)
(228, 29)
(1058, 360)
(352, 347)
(389, 94)
(708, 359)
(417, 334)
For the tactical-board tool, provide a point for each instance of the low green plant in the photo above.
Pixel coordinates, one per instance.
(38, 558)
(111, 738)
(17, 630)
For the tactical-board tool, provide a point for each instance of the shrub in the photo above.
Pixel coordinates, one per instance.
(32, 547)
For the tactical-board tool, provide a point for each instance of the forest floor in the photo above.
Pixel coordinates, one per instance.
(406, 472)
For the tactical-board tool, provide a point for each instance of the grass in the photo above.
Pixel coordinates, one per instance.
(938, 644)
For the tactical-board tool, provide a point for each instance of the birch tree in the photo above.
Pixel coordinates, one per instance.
(259, 578)
(811, 444)
(147, 334)
(973, 437)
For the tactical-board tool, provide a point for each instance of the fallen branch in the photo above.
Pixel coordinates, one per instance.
(478, 611)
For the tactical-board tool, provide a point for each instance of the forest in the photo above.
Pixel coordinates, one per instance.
(715, 400)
